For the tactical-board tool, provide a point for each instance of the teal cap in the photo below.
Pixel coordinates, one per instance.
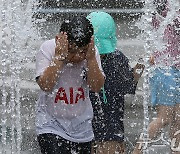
(104, 31)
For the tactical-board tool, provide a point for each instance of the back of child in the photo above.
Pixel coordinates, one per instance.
(108, 105)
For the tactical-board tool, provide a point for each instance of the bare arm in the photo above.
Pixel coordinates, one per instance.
(95, 78)
(49, 78)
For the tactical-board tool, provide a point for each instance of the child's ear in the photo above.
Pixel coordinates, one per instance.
(92, 39)
(56, 37)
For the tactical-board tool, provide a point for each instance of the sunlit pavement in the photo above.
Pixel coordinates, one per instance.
(131, 47)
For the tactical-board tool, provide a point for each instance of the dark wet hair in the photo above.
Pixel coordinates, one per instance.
(160, 5)
(79, 30)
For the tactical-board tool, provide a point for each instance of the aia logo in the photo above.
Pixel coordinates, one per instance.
(62, 95)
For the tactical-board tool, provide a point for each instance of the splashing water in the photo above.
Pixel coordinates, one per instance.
(17, 33)
(16, 39)
(149, 36)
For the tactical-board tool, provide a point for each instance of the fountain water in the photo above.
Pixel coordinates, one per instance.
(149, 36)
(17, 37)
(16, 50)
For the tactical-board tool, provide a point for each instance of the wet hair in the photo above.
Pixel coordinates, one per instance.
(160, 5)
(79, 30)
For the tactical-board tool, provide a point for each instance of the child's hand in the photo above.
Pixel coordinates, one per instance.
(91, 50)
(151, 60)
(61, 50)
(137, 71)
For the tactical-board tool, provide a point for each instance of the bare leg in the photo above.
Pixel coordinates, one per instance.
(109, 147)
(175, 131)
(164, 117)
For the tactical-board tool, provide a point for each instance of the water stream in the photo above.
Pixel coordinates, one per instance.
(153, 40)
(16, 35)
